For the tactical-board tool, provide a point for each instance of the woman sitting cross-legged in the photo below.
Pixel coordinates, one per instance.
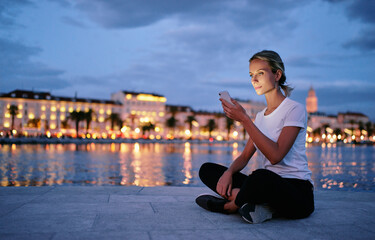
(283, 186)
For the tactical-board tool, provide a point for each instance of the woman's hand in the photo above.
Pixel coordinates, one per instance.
(224, 185)
(235, 112)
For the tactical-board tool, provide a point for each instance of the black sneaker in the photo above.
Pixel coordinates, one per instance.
(255, 213)
(211, 203)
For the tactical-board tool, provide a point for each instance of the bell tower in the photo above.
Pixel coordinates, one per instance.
(311, 101)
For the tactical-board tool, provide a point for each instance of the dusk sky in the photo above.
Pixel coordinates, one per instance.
(189, 50)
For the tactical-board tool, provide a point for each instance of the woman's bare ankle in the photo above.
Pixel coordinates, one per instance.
(230, 207)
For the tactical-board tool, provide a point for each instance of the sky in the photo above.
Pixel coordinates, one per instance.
(189, 50)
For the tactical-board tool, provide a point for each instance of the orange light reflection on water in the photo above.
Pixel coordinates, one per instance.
(187, 163)
(155, 164)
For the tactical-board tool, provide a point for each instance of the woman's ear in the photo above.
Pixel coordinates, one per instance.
(278, 75)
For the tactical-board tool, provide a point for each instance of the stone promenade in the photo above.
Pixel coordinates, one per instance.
(115, 212)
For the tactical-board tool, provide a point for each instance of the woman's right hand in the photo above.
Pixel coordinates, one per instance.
(224, 185)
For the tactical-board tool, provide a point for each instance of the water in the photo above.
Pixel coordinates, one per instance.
(348, 168)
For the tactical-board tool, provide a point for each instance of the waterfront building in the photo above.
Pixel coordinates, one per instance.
(311, 101)
(319, 120)
(42, 113)
(208, 124)
(351, 118)
(354, 124)
(348, 126)
(211, 124)
(141, 111)
(180, 122)
(252, 107)
(138, 114)
(190, 124)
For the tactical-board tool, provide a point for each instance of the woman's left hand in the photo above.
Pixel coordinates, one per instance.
(235, 112)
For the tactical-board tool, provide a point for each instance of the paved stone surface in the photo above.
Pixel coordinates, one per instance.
(115, 212)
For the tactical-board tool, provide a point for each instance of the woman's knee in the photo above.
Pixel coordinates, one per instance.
(261, 175)
(204, 169)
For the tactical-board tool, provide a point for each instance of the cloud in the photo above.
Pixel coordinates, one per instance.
(9, 9)
(302, 62)
(365, 41)
(130, 14)
(73, 22)
(17, 70)
(363, 11)
(244, 13)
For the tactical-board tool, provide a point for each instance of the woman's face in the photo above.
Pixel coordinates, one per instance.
(262, 77)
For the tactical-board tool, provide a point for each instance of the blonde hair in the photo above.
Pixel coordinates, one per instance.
(275, 63)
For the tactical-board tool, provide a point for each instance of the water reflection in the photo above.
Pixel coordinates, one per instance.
(333, 167)
(187, 163)
(342, 167)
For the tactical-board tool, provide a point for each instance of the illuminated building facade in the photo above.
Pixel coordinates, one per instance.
(139, 114)
(252, 107)
(195, 124)
(180, 127)
(147, 115)
(39, 112)
(139, 110)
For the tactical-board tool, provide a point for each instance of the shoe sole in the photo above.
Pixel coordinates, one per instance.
(258, 215)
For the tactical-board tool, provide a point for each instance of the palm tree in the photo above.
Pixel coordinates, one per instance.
(34, 123)
(361, 126)
(13, 111)
(147, 127)
(173, 110)
(352, 122)
(77, 116)
(211, 125)
(88, 117)
(65, 124)
(369, 129)
(171, 123)
(337, 131)
(230, 123)
(325, 126)
(190, 120)
(115, 119)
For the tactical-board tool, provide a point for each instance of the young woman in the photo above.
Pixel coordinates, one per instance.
(283, 186)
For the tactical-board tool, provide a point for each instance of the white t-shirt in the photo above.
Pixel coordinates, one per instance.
(288, 113)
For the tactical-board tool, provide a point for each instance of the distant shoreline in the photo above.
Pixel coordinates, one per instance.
(45, 140)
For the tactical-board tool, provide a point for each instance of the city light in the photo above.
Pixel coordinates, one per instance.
(42, 115)
(150, 98)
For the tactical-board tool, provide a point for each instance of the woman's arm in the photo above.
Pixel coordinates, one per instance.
(224, 185)
(273, 151)
(242, 160)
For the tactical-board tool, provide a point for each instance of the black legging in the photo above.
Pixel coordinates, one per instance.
(288, 197)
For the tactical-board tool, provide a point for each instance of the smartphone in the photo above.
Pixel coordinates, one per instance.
(225, 95)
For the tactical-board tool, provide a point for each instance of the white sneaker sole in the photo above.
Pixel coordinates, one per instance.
(260, 214)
